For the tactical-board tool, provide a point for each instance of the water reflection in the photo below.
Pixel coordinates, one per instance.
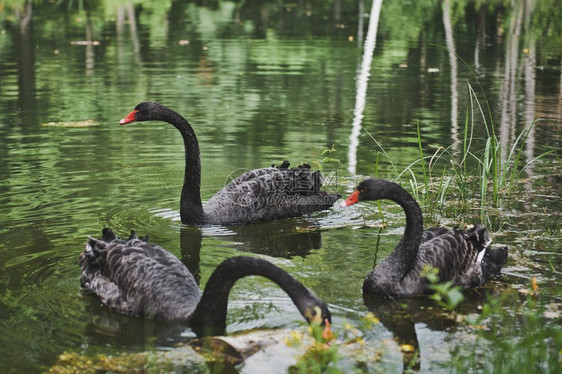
(362, 81)
(529, 116)
(404, 317)
(507, 130)
(107, 327)
(480, 43)
(26, 60)
(422, 328)
(190, 244)
(284, 239)
(31, 265)
(450, 43)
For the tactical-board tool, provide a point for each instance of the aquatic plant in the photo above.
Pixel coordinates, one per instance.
(322, 356)
(325, 354)
(474, 173)
(327, 159)
(446, 294)
(521, 335)
(526, 338)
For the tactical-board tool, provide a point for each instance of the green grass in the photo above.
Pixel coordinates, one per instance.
(480, 172)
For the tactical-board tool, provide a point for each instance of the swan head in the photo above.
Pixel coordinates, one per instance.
(315, 310)
(376, 189)
(145, 111)
(366, 190)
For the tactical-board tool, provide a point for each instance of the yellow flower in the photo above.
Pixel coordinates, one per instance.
(407, 348)
(370, 317)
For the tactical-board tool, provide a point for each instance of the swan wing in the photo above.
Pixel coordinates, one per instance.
(269, 193)
(267, 181)
(456, 254)
(433, 232)
(138, 278)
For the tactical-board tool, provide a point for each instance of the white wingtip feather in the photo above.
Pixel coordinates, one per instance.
(480, 256)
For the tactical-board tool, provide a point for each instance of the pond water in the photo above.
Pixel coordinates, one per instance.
(262, 83)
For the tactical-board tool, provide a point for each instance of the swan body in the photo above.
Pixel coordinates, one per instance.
(461, 256)
(141, 279)
(256, 196)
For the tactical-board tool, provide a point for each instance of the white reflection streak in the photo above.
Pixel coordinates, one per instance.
(529, 67)
(509, 88)
(449, 39)
(362, 81)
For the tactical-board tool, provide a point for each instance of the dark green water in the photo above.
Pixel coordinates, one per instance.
(259, 84)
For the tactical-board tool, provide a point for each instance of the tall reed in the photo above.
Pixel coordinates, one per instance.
(476, 173)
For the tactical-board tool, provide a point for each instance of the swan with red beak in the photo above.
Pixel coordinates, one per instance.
(461, 256)
(259, 195)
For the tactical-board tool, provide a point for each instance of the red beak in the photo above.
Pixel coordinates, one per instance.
(353, 198)
(130, 118)
(327, 333)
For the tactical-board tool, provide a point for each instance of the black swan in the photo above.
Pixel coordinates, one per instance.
(461, 256)
(142, 279)
(259, 195)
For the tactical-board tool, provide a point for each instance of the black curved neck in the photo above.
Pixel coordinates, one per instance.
(412, 234)
(191, 209)
(404, 255)
(212, 307)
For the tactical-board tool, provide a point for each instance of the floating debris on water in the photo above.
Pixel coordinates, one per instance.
(85, 42)
(84, 123)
